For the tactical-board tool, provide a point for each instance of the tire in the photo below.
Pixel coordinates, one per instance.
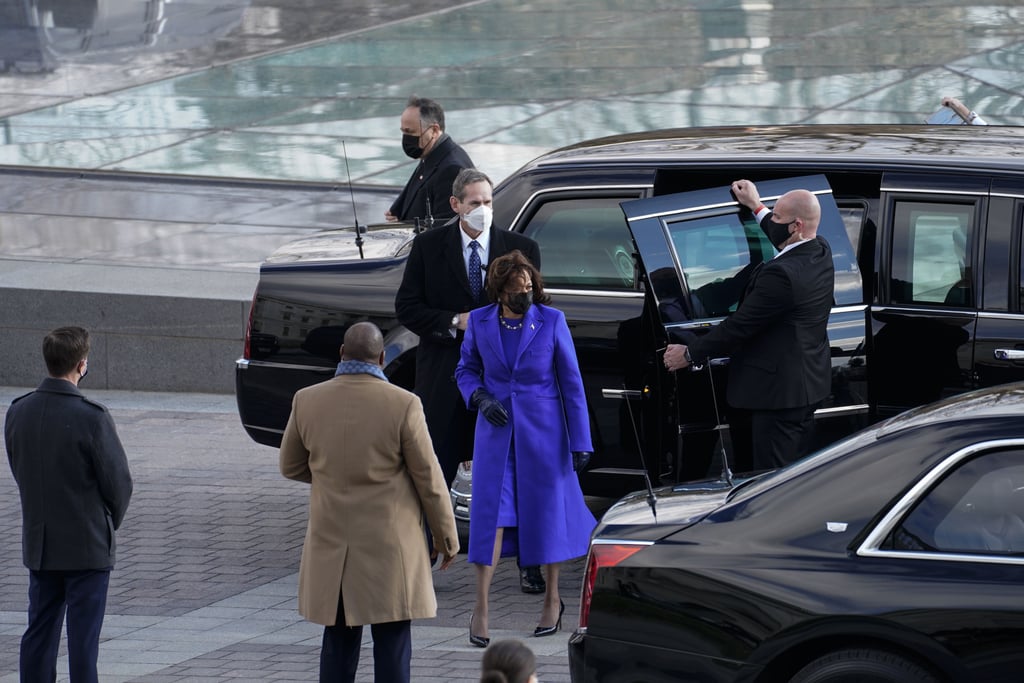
(863, 666)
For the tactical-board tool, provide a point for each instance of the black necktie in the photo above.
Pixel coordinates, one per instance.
(475, 280)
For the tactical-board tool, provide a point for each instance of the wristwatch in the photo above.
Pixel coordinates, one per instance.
(686, 355)
(455, 320)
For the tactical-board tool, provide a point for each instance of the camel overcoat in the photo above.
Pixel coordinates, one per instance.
(363, 446)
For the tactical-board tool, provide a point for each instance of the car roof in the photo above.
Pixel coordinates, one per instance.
(1004, 403)
(1006, 400)
(955, 147)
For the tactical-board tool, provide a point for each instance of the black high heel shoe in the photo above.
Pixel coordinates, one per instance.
(541, 631)
(478, 641)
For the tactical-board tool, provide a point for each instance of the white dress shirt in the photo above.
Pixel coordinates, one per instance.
(484, 240)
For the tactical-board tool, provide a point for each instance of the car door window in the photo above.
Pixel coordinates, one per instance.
(721, 253)
(931, 253)
(700, 247)
(584, 243)
(1020, 282)
(978, 508)
(853, 222)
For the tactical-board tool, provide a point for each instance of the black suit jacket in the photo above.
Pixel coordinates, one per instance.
(434, 288)
(432, 180)
(777, 339)
(72, 475)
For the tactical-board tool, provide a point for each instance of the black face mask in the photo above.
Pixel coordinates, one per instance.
(411, 146)
(519, 303)
(777, 233)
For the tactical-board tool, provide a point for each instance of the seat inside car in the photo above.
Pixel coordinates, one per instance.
(985, 519)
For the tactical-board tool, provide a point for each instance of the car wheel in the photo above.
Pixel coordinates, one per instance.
(863, 666)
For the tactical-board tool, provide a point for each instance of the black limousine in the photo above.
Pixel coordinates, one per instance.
(893, 556)
(925, 225)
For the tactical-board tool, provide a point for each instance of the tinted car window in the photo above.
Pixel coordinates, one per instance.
(1020, 285)
(584, 243)
(853, 221)
(931, 253)
(720, 253)
(977, 508)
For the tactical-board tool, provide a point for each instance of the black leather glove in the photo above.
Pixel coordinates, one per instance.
(490, 407)
(580, 460)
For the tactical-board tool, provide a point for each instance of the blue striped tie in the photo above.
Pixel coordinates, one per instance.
(475, 280)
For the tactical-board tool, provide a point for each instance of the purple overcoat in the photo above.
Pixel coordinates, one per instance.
(543, 394)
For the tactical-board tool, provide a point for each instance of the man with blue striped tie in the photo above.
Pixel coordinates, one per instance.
(442, 283)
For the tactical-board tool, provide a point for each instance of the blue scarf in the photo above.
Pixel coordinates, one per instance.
(358, 367)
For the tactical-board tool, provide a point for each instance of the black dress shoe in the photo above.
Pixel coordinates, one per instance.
(542, 631)
(477, 641)
(530, 580)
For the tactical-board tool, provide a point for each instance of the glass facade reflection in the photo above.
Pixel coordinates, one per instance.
(519, 79)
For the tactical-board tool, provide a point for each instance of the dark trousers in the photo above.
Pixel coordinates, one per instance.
(780, 437)
(392, 650)
(82, 596)
(457, 441)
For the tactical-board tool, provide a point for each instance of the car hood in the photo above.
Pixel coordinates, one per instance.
(675, 507)
(379, 241)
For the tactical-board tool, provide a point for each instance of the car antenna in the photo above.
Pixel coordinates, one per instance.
(723, 436)
(352, 193)
(652, 500)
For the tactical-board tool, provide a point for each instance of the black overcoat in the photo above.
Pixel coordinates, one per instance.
(431, 181)
(72, 474)
(777, 339)
(434, 288)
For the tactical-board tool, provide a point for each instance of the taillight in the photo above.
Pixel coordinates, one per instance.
(603, 555)
(247, 340)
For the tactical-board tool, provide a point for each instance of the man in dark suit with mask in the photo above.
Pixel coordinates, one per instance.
(780, 367)
(426, 195)
(442, 283)
(74, 483)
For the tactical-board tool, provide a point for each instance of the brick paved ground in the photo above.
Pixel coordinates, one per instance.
(205, 584)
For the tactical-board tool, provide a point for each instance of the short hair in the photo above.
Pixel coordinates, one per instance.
(466, 177)
(64, 348)
(514, 264)
(430, 111)
(507, 661)
(364, 342)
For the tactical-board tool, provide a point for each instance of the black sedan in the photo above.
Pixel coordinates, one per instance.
(894, 555)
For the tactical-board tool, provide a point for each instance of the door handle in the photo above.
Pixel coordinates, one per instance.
(625, 394)
(1008, 354)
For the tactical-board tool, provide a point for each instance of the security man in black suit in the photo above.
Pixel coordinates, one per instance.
(442, 283)
(780, 367)
(427, 193)
(74, 482)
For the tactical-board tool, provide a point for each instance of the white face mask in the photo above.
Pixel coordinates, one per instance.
(479, 219)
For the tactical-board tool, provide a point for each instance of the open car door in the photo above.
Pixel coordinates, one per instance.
(697, 250)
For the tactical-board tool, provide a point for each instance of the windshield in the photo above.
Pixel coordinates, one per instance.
(826, 455)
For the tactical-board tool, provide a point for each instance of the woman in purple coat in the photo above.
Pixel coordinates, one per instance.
(519, 370)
